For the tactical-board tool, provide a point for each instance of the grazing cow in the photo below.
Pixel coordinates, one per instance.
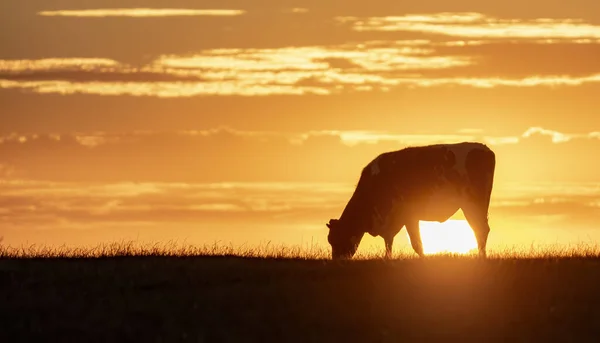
(429, 183)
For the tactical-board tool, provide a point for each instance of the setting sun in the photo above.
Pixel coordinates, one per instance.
(451, 236)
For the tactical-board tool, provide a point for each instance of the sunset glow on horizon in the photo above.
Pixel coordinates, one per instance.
(251, 122)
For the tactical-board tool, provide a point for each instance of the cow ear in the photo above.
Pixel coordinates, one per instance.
(331, 223)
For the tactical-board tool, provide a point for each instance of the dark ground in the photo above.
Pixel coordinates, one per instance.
(212, 299)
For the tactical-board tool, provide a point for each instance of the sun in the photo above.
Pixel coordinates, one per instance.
(451, 236)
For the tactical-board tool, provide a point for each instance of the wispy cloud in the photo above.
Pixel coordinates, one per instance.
(166, 202)
(45, 204)
(556, 137)
(491, 82)
(352, 67)
(81, 155)
(293, 70)
(84, 180)
(502, 140)
(267, 84)
(346, 137)
(359, 56)
(350, 138)
(85, 156)
(298, 10)
(477, 25)
(141, 12)
(55, 64)
(160, 89)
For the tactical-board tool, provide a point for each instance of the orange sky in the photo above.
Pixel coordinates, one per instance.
(250, 122)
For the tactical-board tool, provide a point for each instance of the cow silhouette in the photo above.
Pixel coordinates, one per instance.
(429, 183)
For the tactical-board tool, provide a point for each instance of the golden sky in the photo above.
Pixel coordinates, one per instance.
(250, 121)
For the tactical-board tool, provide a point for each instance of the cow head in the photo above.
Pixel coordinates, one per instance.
(343, 240)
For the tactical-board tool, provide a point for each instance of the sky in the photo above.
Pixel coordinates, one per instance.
(244, 122)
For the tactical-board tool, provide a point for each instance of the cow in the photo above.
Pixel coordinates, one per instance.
(400, 188)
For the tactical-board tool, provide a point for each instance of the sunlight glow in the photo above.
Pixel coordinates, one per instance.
(451, 236)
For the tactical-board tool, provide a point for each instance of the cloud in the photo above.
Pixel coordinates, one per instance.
(55, 64)
(225, 182)
(322, 70)
(514, 59)
(346, 137)
(352, 138)
(556, 137)
(168, 202)
(314, 58)
(559, 137)
(44, 205)
(477, 25)
(159, 89)
(141, 12)
(491, 82)
(568, 213)
(376, 65)
(268, 83)
(298, 10)
(224, 154)
(293, 70)
(501, 140)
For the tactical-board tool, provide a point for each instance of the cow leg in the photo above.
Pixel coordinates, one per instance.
(478, 221)
(388, 238)
(415, 237)
(390, 231)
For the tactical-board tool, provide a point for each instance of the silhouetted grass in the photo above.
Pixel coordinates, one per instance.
(218, 293)
(277, 251)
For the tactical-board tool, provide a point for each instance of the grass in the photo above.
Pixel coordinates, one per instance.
(278, 251)
(172, 293)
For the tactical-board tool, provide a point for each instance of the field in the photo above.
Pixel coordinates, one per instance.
(124, 292)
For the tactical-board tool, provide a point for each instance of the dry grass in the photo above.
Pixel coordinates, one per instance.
(280, 251)
(168, 249)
